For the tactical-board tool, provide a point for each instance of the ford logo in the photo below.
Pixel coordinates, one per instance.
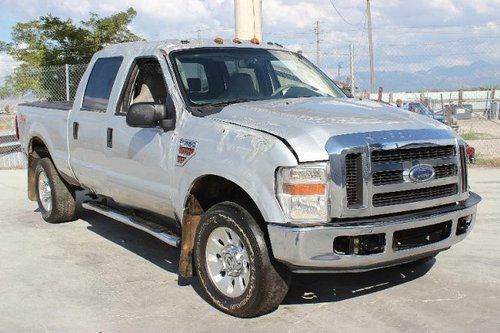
(421, 173)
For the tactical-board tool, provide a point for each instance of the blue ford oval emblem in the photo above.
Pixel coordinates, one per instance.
(421, 173)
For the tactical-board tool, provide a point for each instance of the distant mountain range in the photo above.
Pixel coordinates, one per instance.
(477, 74)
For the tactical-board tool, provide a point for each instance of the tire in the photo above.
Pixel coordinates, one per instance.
(56, 200)
(266, 285)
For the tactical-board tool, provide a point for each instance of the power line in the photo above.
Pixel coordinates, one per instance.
(342, 16)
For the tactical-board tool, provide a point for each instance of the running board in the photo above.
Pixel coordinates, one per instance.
(154, 229)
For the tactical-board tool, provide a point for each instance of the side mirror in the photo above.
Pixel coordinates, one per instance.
(150, 115)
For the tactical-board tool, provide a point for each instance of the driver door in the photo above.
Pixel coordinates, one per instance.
(140, 167)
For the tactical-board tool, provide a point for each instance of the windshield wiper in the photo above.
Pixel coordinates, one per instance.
(233, 101)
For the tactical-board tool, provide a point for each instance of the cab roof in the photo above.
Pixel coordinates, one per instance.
(178, 44)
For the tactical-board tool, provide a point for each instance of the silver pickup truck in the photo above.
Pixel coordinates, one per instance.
(252, 161)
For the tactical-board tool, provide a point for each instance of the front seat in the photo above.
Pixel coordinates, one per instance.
(153, 90)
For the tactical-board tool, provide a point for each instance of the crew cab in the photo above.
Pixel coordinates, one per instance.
(252, 161)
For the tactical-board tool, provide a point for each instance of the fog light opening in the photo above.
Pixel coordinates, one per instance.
(463, 224)
(359, 245)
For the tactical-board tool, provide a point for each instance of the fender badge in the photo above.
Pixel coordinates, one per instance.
(187, 149)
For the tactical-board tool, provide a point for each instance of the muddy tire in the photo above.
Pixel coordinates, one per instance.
(234, 265)
(56, 200)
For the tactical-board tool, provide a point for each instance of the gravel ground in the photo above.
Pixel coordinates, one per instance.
(96, 275)
(489, 148)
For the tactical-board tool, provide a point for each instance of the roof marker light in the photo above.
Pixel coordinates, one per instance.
(219, 40)
(255, 40)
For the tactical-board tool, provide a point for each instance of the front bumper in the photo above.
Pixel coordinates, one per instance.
(310, 249)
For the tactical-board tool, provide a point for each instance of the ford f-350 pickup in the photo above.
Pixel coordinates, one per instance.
(252, 161)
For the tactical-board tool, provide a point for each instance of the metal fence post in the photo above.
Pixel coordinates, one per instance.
(351, 68)
(66, 68)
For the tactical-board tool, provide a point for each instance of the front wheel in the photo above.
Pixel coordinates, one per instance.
(234, 265)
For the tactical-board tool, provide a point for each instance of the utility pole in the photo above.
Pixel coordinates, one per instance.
(316, 31)
(351, 69)
(339, 65)
(198, 33)
(370, 43)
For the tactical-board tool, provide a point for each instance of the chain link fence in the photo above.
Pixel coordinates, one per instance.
(54, 83)
(457, 81)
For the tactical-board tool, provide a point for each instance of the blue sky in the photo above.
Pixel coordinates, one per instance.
(409, 35)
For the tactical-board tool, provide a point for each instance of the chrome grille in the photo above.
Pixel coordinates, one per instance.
(403, 197)
(443, 171)
(396, 176)
(411, 154)
(463, 165)
(353, 178)
(371, 172)
(387, 177)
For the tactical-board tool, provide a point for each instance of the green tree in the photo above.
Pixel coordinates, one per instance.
(42, 46)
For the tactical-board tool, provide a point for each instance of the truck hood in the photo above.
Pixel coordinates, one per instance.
(307, 123)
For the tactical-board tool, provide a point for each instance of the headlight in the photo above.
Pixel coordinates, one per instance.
(302, 192)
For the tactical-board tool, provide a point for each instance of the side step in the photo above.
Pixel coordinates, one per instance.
(154, 229)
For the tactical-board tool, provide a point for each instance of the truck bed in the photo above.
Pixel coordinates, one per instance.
(48, 122)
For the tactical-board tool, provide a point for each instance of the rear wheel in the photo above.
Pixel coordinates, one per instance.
(56, 200)
(234, 265)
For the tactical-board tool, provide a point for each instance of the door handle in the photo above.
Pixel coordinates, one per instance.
(75, 130)
(110, 138)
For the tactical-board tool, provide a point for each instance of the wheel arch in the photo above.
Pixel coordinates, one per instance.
(37, 149)
(205, 192)
(212, 189)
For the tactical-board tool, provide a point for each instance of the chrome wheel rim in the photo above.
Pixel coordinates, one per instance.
(44, 191)
(227, 262)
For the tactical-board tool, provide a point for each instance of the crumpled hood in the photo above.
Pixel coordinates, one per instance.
(307, 123)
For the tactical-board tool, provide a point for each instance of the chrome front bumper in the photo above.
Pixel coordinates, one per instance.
(310, 249)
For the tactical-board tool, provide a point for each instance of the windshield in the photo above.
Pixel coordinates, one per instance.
(231, 75)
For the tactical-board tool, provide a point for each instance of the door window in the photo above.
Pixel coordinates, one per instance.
(100, 84)
(146, 84)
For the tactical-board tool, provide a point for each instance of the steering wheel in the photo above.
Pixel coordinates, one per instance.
(288, 86)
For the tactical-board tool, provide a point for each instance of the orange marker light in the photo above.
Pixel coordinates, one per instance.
(255, 40)
(219, 40)
(236, 40)
(304, 189)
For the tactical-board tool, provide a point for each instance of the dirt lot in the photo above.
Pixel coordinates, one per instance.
(95, 275)
(483, 135)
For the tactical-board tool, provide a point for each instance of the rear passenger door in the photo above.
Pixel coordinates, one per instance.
(139, 162)
(88, 134)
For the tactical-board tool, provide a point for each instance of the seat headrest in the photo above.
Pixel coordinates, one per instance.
(194, 84)
(242, 80)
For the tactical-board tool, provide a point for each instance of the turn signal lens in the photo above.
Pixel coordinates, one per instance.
(304, 189)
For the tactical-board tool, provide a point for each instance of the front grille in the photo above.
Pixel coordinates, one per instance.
(463, 164)
(387, 177)
(396, 176)
(409, 196)
(354, 178)
(443, 171)
(412, 154)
